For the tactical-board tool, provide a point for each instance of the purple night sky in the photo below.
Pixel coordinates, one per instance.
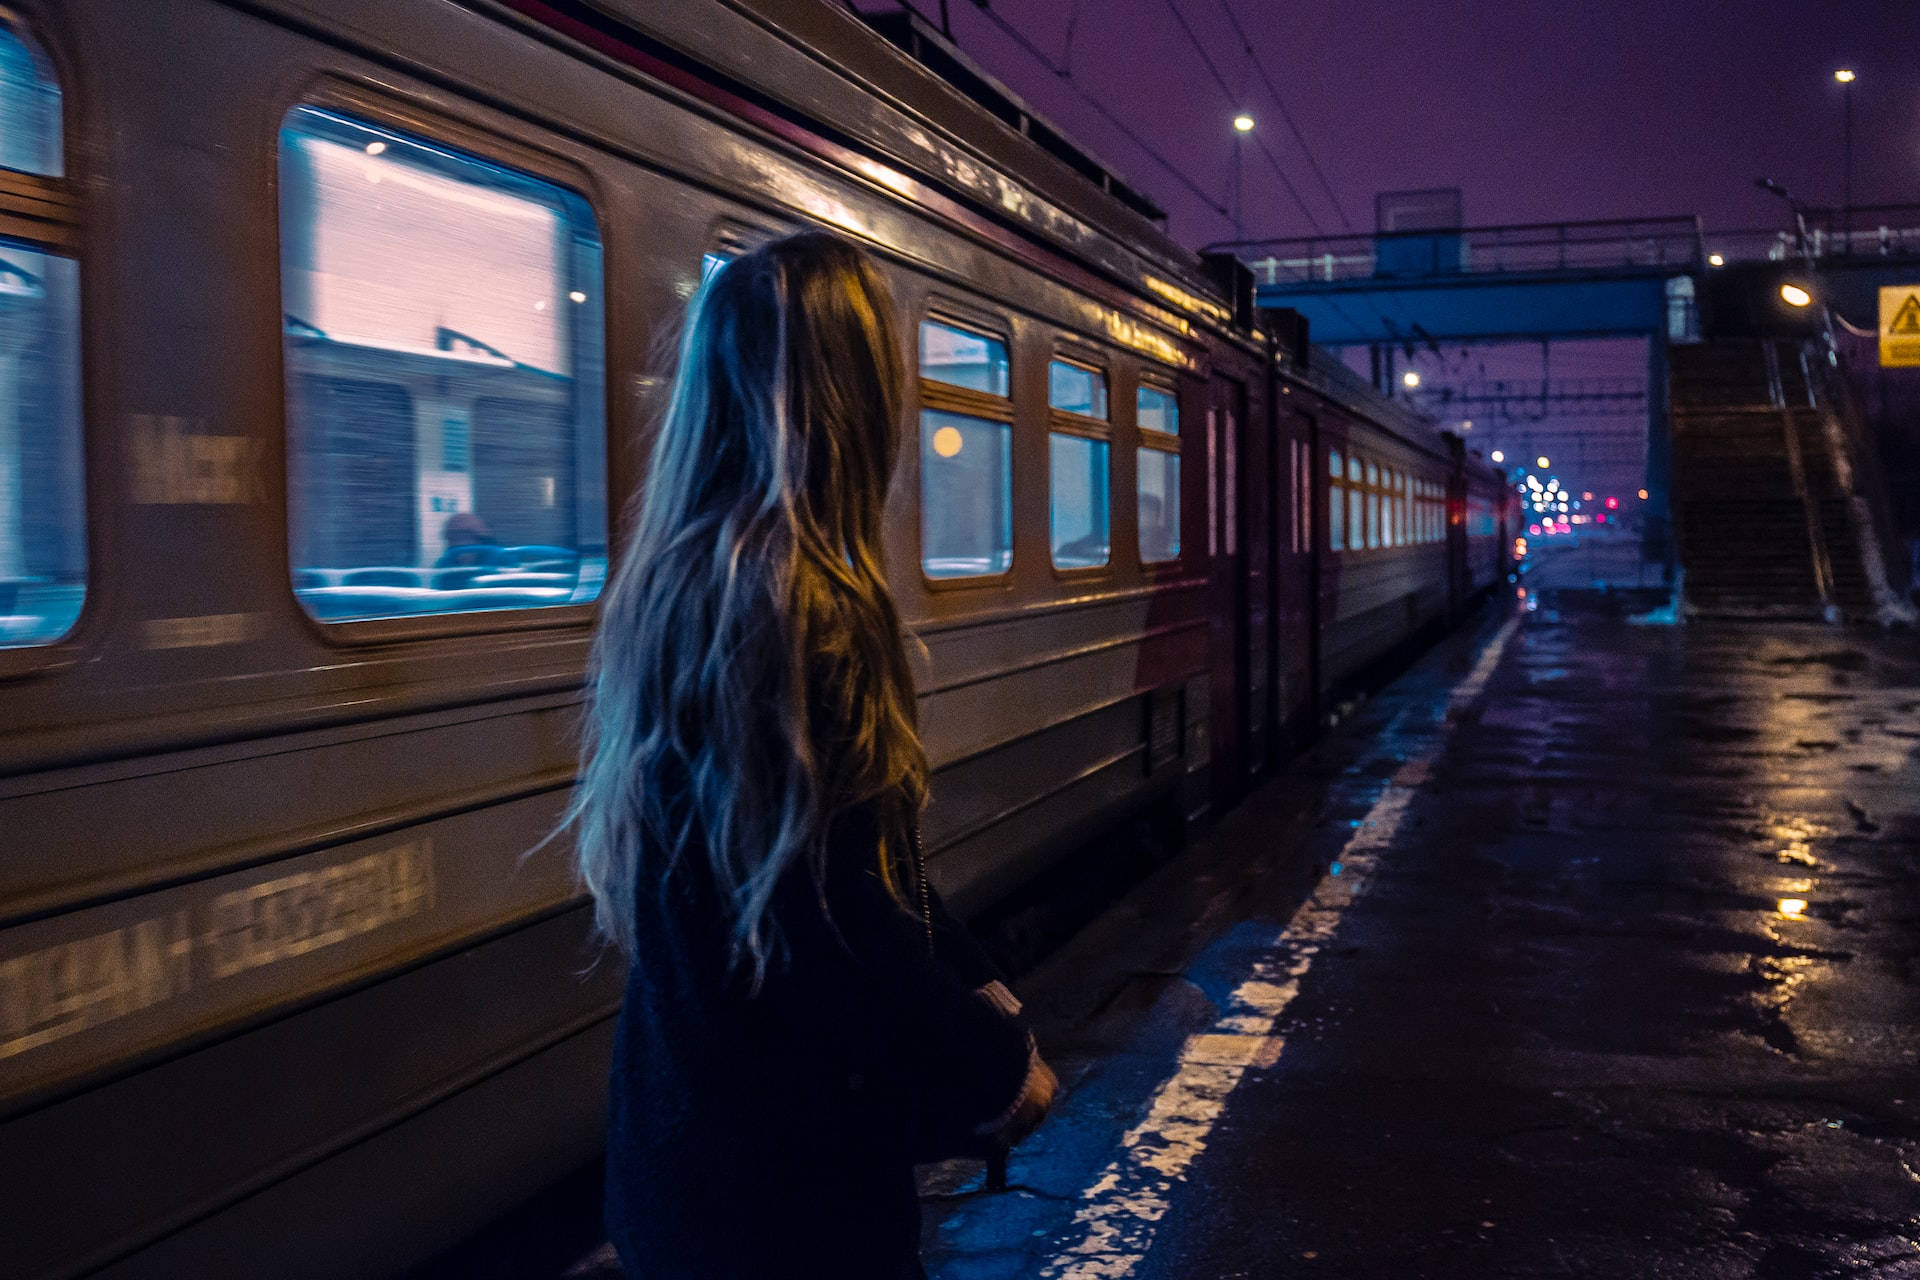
(1541, 110)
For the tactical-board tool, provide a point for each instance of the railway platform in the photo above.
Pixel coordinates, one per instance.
(1587, 948)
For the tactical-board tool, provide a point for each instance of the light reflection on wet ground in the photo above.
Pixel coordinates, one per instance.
(1635, 992)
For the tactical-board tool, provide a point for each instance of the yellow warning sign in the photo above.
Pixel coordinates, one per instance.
(1900, 326)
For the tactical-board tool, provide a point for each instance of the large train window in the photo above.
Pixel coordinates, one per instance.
(43, 552)
(446, 446)
(1336, 504)
(1079, 465)
(966, 453)
(1157, 414)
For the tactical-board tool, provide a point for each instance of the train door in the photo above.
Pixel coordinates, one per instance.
(1230, 703)
(1297, 525)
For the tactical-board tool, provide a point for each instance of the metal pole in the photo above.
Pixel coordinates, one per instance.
(1846, 183)
(1239, 228)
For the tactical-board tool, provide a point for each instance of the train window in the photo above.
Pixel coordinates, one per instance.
(29, 109)
(1159, 505)
(1373, 505)
(445, 378)
(1157, 410)
(43, 549)
(1080, 468)
(1356, 504)
(963, 358)
(1074, 388)
(1336, 503)
(966, 495)
(1389, 503)
(43, 558)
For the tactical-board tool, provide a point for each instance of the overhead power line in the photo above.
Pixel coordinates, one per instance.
(1273, 91)
(1063, 74)
(1233, 100)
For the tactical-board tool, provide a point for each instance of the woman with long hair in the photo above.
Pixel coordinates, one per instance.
(802, 1022)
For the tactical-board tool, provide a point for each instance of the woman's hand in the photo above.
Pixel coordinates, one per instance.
(1036, 1099)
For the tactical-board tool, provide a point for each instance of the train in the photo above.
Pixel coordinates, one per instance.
(331, 334)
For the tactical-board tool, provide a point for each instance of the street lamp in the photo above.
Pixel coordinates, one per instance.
(1243, 122)
(1795, 296)
(1846, 78)
(1499, 456)
(1542, 462)
(1410, 379)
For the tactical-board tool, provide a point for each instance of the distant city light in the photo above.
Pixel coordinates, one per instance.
(1499, 456)
(1795, 296)
(947, 441)
(375, 148)
(1410, 379)
(1844, 75)
(1643, 495)
(1243, 122)
(1613, 504)
(1716, 260)
(1542, 462)
(577, 296)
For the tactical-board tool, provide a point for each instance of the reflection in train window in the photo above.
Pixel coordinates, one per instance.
(966, 495)
(1159, 494)
(963, 358)
(1074, 388)
(445, 416)
(29, 109)
(43, 554)
(1080, 494)
(711, 262)
(1157, 410)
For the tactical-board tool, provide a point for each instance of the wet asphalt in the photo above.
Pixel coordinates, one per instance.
(1632, 988)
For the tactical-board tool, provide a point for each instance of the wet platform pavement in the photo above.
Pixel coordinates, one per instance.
(1586, 948)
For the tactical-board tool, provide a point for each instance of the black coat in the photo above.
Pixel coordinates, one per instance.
(773, 1134)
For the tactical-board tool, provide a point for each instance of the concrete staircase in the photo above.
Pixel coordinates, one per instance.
(1761, 507)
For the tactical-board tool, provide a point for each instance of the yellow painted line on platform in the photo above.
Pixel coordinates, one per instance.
(1122, 1209)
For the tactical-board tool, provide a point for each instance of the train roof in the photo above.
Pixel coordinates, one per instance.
(938, 116)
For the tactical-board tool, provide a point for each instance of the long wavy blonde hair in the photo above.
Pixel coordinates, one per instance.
(749, 685)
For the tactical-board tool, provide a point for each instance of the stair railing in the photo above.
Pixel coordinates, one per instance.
(1844, 429)
(1797, 467)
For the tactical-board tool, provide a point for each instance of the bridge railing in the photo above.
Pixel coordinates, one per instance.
(1613, 244)
(1869, 231)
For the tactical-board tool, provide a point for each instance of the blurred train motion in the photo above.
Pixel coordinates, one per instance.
(327, 350)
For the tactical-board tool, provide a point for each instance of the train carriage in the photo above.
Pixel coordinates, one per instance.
(331, 334)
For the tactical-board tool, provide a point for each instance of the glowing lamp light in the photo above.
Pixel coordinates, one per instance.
(1410, 379)
(1499, 456)
(1243, 122)
(1844, 75)
(1716, 260)
(947, 441)
(1793, 908)
(1613, 504)
(376, 147)
(1643, 495)
(577, 296)
(1542, 462)
(1601, 518)
(1795, 296)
